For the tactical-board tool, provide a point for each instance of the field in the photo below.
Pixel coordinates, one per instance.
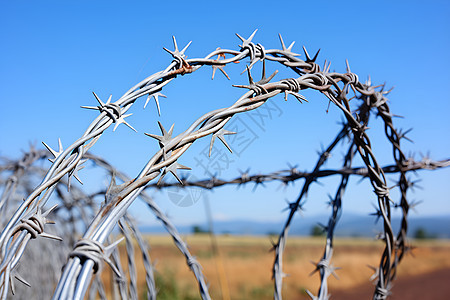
(246, 264)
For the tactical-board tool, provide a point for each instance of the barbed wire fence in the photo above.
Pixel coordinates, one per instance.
(86, 228)
(76, 199)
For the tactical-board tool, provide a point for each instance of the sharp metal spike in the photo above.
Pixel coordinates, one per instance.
(48, 211)
(50, 236)
(185, 48)
(240, 37)
(306, 54)
(175, 42)
(98, 99)
(110, 248)
(21, 279)
(282, 42)
(220, 135)
(347, 66)
(315, 56)
(251, 36)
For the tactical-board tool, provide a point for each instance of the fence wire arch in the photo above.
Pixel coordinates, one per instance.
(85, 227)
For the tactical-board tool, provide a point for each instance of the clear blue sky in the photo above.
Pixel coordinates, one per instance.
(54, 55)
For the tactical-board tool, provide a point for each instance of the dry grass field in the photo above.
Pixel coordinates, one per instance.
(247, 264)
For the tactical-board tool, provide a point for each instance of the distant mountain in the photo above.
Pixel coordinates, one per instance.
(349, 225)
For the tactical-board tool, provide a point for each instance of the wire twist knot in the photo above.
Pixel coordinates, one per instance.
(87, 249)
(382, 191)
(382, 293)
(191, 261)
(293, 84)
(34, 225)
(112, 109)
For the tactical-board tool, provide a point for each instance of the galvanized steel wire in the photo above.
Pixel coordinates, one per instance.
(29, 220)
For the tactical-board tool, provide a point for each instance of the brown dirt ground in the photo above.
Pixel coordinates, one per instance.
(433, 285)
(247, 264)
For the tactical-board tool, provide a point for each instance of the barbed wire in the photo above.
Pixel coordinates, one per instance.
(291, 175)
(149, 275)
(78, 199)
(283, 176)
(25, 223)
(193, 264)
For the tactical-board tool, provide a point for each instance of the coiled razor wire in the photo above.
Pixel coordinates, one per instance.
(28, 221)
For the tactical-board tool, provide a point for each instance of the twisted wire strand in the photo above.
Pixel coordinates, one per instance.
(280, 245)
(118, 283)
(284, 176)
(324, 266)
(387, 270)
(333, 85)
(141, 180)
(77, 199)
(69, 161)
(378, 181)
(327, 269)
(18, 168)
(149, 274)
(394, 136)
(291, 175)
(69, 201)
(210, 123)
(166, 222)
(132, 291)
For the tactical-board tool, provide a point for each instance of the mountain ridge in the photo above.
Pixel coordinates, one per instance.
(350, 225)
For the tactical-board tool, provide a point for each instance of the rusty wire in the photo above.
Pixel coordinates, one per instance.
(29, 220)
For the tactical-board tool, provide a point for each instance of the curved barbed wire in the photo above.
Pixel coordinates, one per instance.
(77, 199)
(161, 216)
(69, 229)
(24, 225)
(70, 161)
(149, 275)
(283, 176)
(293, 174)
(213, 123)
(133, 293)
(81, 201)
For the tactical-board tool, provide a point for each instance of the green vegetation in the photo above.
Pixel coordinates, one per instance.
(422, 234)
(265, 291)
(169, 289)
(317, 230)
(196, 229)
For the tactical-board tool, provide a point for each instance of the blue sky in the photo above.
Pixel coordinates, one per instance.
(54, 55)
